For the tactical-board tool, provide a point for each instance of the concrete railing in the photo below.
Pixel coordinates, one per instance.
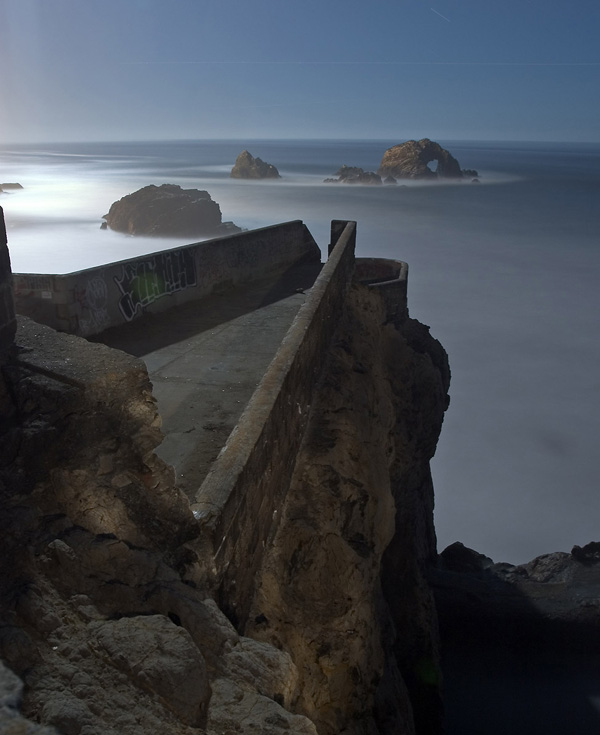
(88, 302)
(239, 502)
(390, 279)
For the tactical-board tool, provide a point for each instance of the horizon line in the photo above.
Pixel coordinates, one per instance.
(380, 63)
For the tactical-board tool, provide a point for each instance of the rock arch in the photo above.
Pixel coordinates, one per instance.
(409, 161)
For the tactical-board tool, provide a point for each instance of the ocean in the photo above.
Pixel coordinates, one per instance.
(504, 272)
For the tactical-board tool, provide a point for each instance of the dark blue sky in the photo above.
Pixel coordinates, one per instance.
(149, 69)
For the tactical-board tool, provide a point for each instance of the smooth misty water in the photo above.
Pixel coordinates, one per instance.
(504, 272)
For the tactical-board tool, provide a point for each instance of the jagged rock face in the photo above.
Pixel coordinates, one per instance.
(95, 616)
(103, 612)
(521, 644)
(167, 211)
(248, 167)
(409, 161)
(358, 481)
(552, 601)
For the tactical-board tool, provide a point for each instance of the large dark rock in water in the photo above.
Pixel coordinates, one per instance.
(409, 161)
(248, 167)
(168, 211)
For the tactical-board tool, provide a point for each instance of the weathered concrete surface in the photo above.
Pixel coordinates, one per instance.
(206, 361)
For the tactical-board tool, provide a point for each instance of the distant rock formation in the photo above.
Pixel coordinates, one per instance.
(7, 186)
(409, 161)
(168, 211)
(354, 175)
(248, 167)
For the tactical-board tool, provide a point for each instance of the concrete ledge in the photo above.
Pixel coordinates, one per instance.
(390, 279)
(237, 505)
(88, 302)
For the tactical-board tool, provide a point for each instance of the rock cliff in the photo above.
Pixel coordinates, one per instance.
(248, 167)
(343, 587)
(104, 616)
(168, 211)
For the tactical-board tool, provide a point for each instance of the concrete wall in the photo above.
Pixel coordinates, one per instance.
(89, 301)
(8, 324)
(390, 279)
(237, 505)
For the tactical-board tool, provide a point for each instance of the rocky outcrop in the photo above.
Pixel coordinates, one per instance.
(354, 175)
(343, 588)
(248, 167)
(105, 607)
(102, 614)
(168, 211)
(520, 643)
(10, 187)
(555, 597)
(409, 161)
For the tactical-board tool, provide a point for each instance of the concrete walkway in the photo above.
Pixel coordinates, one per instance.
(206, 358)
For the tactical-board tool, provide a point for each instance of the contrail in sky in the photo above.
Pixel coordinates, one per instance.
(376, 63)
(433, 10)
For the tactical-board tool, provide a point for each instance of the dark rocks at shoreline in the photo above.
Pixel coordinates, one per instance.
(168, 211)
(519, 643)
(354, 175)
(409, 161)
(248, 167)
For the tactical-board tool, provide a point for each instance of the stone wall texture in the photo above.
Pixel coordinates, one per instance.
(238, 503)
(90, 301)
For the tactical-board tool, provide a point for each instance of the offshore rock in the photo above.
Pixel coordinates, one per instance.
(354, 175)
(409, 161)
(168, 211)
(248, 167)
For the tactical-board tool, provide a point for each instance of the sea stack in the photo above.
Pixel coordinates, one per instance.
(409, 161)
(167, 211)
(248, 167)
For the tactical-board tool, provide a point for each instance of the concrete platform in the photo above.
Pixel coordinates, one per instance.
(205, 360)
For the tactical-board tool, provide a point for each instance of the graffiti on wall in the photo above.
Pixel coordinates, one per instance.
(93, 303)
(145, 281)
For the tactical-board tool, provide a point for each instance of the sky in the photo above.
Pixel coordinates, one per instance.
(96, 70)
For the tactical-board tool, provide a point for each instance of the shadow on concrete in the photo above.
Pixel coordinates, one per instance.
(520, 655)
(155, 330)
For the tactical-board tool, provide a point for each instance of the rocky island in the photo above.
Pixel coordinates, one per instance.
(168, 211)
(9, 186)
(410, 161)
(248, 167)
(354, 175)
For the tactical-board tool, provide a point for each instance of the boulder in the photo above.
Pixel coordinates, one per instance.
(409, 161)
(167, 211)
(248, 167)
